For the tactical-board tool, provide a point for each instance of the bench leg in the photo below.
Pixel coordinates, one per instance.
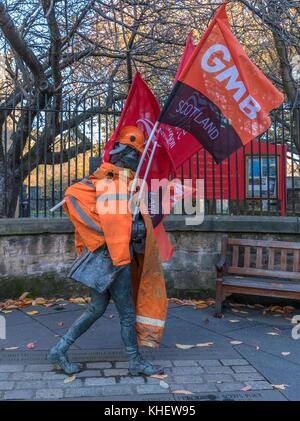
(219, 298)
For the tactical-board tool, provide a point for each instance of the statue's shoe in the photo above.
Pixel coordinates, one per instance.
(59, 358)
(144, 368)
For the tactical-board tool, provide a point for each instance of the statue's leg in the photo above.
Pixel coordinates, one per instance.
(121, 292)
(96, 308)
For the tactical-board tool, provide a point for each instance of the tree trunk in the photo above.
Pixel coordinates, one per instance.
(9, 193)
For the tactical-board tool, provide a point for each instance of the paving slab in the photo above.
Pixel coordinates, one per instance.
(217, 372)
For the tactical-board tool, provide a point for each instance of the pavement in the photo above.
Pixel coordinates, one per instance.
(247, 355)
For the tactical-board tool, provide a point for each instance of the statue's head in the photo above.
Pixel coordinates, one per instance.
(128, 148)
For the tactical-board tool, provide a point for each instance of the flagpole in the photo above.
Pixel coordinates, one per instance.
(137, 205)
(138, 170)
(58, 206)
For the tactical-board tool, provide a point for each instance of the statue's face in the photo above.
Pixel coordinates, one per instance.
(127, 158)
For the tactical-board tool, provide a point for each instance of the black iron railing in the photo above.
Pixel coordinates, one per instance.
(44, 149)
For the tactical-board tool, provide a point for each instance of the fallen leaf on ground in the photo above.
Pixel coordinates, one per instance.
(69, 379)
(111, 316)
(257, 348)
(288, 309)
(273, 333)
(182, 392)
(58, 300)
(12, 348)
(197, 304)
(234, 321)
(244, 312)
(159, 376)
(49, 305)
(163, 384)
(280, 386)
(235, 310)
(249, 319)
(181, 346)
(259, 306)
(78, 300)
(6, 311)
(205, 344)
(39, 301)
(30, 345)
(285, 354)
(246, 388)
(23, 296)
(236, 342)
(60, 324)
(237, 305)
(32, 312)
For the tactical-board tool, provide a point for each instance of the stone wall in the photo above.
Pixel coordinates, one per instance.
(35, 254)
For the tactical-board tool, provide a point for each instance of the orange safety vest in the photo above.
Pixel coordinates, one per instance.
(98, 208)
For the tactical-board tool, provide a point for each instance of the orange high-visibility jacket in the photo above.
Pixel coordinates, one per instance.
(98, 208)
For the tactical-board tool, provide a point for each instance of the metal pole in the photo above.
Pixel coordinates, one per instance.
(138, 170)
(137, 205)
(57, 206)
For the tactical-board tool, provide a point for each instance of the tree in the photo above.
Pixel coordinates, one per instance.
(55, 53)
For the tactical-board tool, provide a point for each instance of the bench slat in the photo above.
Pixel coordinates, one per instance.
(259, 251)
(264, 243)
(264, 272)
(271, 257)
(257, 283)
(247, 256)
(283, 260)
(235, 256)
(296, 261)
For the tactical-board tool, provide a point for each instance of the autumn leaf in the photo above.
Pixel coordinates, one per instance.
(273, 333)
(69, 379)
(32, 312)
(205, 344)
(246, 388)
(236, 342)
(181, 346)
(280, 386)
(48, 305)
(182, 392)
(39, 301)
(12, 348)
(164, 385)
(234, 321)
(30, 345)
(285, 354)
(288, 309)
(78, 300)
(6, 311)
(60, 324)
(257, 348)
(159, 376)
(23, 296)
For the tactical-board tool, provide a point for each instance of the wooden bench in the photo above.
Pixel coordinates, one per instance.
(257, 267)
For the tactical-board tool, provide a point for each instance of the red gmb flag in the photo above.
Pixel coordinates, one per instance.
(221, 97)
(179, 142)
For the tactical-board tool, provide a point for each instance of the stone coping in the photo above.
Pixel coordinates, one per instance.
(212, 223)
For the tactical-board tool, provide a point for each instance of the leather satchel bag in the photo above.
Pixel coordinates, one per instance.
(95, 269)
